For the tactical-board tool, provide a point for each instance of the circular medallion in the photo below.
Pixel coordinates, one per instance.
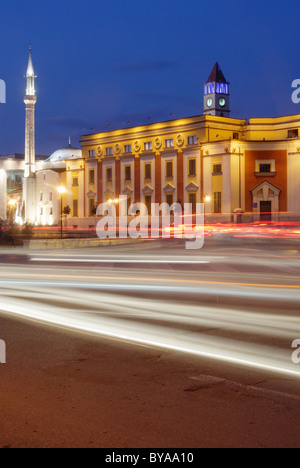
(179, 140)
(118, 148)
(157, 143)
(137, 146)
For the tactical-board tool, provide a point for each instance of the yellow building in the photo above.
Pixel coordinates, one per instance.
(229, 164)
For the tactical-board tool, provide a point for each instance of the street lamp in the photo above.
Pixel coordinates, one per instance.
(61, 190)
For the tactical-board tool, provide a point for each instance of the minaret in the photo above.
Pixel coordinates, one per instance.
(29, 182)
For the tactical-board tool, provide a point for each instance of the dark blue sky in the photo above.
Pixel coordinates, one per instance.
(101, 63)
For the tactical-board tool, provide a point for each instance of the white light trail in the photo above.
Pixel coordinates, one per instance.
(207, 332)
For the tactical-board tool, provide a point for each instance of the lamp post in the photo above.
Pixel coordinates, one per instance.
(61, 190)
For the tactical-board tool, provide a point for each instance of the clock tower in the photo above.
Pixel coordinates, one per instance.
(216, 94)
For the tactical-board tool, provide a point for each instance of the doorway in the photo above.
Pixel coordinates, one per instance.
(266, 211)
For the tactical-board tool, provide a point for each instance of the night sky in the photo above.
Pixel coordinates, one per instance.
(103, 64)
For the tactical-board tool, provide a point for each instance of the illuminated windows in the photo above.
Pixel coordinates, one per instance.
(148, 171)
(127, 173)
(169, 169)
(169, 143)
(109, 151)
(92, 207)
(192, 167)
(217, 169)
(217, 202)
(170, 199)
(75, 208)
(92, 153)
(109, 174)
(265, 168)
(128, 149)
(193, 202)
(92, 177)
(293, 133)
(148, 146)
(148, 202)
(192, 140)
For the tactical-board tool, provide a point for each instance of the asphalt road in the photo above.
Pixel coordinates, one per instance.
(151, 346)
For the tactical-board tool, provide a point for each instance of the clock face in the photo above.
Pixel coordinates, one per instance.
(222, 102)
(209, 102)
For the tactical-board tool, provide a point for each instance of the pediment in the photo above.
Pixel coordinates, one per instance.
(192, 187)
(265, 187)
(147, 190)
(127, 191)
(169, 188)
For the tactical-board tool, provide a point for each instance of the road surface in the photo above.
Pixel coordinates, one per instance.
(151, 346)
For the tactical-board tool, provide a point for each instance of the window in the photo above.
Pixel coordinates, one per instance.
(293, 134)
(42, 211)
(51, 211)
(236, 136)
(75, 182)
(148, 146)
(75, 208)
(193, 202)
(92, 177)
(192, 167)
(148, 171)
(170, 143)
(217, 169)
(41, 196)
(109, 174)
(148, 202)
(91, 206)
(192, 140)
(128, 149)
(169, 169)
(265, 168)
(217, 202)
(109, 151)
(92, 153)
(128, 203)
(50, 196)
(127, 173)
(169, 199)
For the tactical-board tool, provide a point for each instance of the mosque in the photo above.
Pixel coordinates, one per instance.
(229, 164)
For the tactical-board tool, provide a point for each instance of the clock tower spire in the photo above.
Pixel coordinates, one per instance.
(216, 94)
(29, 182)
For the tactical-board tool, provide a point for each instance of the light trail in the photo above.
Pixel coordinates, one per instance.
(118, 260)
(147, 279)
(254, 340)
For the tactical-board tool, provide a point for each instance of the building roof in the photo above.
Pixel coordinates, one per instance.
(216, 75)
(65, 154)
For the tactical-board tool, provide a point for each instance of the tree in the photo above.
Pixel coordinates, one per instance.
(66, 210)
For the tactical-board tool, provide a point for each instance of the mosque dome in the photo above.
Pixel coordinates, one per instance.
(66, 154)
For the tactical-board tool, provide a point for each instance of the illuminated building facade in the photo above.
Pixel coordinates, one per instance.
(232, 165)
